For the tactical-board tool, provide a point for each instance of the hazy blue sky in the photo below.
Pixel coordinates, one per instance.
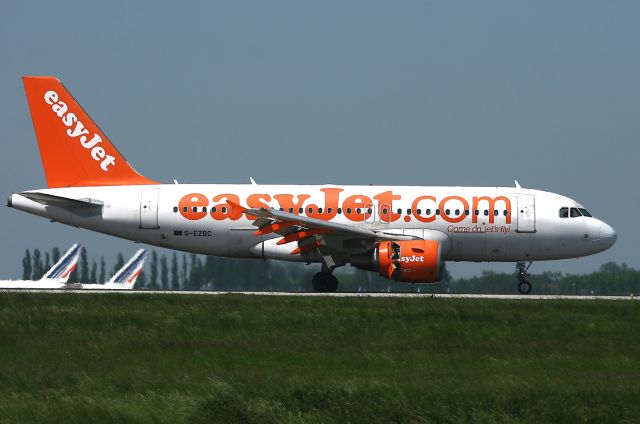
(399, 93)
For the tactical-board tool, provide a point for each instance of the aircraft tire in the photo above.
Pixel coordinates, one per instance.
(524, 287)
(324, 282)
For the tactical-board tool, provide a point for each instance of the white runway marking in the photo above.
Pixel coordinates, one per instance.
(339, 294)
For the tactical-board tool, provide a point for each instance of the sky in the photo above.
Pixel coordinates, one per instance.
(346, 92)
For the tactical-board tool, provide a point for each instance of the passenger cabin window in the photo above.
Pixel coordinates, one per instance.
(175, 209)
(575, 213)
(564, 212)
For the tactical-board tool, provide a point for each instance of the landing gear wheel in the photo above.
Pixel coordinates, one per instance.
(324, 282)
(524, 287)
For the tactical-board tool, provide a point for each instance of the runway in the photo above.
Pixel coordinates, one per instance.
(338, 294)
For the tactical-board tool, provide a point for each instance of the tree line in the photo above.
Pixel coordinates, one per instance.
(181, 271)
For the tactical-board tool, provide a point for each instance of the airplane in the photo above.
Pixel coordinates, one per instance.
(405, 233)
(126, 276)
(55, 278)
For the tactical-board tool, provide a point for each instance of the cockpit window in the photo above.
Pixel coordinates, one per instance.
(575, 213)
(564, 212)
(584, 212)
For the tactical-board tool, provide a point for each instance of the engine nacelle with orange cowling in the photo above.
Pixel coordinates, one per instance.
(413, 261)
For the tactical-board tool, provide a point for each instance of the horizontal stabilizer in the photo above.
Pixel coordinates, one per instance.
(62, 202)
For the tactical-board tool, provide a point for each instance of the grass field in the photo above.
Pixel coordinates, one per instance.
(234, 358)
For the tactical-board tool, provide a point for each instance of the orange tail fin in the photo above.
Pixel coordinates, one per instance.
(73, 150)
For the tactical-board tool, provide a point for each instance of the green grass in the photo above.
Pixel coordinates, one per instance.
(234, 358)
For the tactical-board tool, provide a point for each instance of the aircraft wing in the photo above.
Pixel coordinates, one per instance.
(311, 234)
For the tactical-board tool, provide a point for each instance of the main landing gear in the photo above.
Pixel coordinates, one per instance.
(324, 282)
(524, 287)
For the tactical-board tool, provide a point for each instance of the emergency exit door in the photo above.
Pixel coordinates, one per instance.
(149, 209)
(526, 214)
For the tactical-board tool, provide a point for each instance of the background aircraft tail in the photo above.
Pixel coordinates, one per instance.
(62, 269)
(128, 274)
(74, 151)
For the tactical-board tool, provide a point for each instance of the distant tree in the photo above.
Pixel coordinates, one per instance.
(55, 255)
(103, 270)
(446, 275)
(94, 272)
(174, 272)
(119, 263)
(164, 272)
(83, 266)
(613, 267)
(195, 281)
(37, 265)
(47, 262)
(184, 273)
(153, 280)
(27, 269)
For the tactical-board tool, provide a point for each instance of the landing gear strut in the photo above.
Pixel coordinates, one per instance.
(524, 287)
(324, 282)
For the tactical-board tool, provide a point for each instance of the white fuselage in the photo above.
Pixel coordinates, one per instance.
(472, 223)
(31, 284)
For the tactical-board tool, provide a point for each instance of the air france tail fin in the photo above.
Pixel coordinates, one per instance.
(127, 275)
(74, 151)
(65, 266)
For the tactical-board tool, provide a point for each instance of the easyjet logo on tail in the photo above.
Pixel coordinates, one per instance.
(77, 130)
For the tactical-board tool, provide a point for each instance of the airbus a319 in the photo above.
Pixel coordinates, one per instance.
(404, 233)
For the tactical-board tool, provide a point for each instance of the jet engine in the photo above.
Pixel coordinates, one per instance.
(412, 261)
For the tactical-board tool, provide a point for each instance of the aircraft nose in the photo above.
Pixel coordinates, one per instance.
(607, 235)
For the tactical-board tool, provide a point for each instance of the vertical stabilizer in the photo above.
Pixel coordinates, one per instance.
(73, 149)
(128, 274)
(62, 269)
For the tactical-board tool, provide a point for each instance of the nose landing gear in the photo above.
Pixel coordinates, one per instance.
(524, 287)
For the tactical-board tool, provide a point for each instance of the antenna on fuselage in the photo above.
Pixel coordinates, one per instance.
(253, 182)
(517, 184)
